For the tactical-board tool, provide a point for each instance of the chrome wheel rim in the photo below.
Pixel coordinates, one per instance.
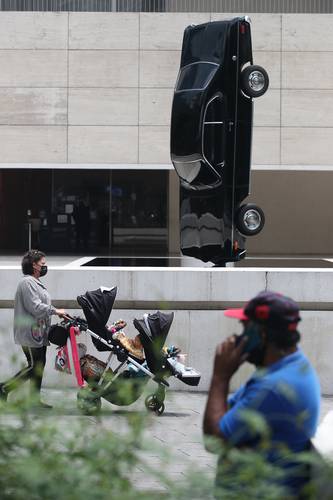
(256, 81)
(252, 220)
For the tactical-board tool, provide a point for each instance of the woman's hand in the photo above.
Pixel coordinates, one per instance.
(62, 313)
(228, 358)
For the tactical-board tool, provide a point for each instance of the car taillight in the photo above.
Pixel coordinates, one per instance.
(242, 29)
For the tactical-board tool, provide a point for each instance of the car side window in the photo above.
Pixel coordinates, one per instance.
(196, 76)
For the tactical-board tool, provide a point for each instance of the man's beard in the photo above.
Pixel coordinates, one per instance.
(257, 356)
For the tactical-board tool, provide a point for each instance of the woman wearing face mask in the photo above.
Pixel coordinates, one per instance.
(32, 319)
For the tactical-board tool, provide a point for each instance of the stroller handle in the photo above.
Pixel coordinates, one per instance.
(81, 323)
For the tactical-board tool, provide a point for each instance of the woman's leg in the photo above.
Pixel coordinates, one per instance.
(39, 360)
(36, 357)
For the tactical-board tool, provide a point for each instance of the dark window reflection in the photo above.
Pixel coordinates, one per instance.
(84, 212)
(196, 76)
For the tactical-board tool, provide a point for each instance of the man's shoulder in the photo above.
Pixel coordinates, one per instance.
(294, 364)
(292, 380)
(296, 367)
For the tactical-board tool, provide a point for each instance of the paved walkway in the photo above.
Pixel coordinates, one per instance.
(173, 443)
(173, 440)
(178, 432)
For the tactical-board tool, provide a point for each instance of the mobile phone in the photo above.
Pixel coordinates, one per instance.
(254, 339)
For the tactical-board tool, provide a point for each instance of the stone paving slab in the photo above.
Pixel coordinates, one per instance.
(179, 429)
(173, 441)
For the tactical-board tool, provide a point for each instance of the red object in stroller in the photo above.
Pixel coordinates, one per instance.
(124, 384)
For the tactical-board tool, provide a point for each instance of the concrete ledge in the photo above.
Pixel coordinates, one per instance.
(181, 286)
(197, 296)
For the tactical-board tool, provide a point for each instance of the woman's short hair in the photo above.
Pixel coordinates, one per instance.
(29, 258)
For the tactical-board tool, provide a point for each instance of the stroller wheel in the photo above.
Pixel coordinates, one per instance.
(87, 401)
(153, 404)
(160, 410)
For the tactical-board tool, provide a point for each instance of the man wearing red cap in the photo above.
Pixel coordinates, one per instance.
(284, 390)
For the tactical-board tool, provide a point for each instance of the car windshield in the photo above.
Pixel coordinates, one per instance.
(196, 76)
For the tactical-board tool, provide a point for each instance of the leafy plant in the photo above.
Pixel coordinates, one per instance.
(49, 457)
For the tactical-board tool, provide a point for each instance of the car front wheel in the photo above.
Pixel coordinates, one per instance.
(250, 219)
(254, 81)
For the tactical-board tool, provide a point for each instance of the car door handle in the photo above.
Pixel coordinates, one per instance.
(231, 124)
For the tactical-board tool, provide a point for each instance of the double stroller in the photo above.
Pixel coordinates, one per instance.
(125, 383)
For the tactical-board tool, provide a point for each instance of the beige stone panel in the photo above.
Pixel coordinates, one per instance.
(266, 146)
(103, 68)
(19, 144)
(154, 145)
(159, 68)
(271, 62)
(267, 109)
(24, 106)
(33, 30)
(304, 32)
(162, 31)
(307, 108)
(265, 29)
(103, 106)
(306, 146)
(33, 68)
(103, 30)
(155, 106)
(297, 206)
(102, 144)
(307, 70)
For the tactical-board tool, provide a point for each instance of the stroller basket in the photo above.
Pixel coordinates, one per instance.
(58, 335)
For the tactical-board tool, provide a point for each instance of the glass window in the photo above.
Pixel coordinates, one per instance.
(84, 212)
(196, 76)
(139, 209)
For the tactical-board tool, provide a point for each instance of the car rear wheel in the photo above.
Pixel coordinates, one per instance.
(254, 81)
(250, 219)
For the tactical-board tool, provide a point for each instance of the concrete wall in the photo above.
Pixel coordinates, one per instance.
(81, 87)
(198, 297)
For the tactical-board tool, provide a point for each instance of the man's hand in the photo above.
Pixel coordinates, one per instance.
(228, 358)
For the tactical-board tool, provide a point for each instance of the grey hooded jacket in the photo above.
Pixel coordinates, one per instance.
(32, 313)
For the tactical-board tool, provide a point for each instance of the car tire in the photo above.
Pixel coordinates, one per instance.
(254, 81)
(250, 219)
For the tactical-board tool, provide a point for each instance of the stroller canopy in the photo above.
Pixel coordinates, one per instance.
(97, 306)
(153, 330)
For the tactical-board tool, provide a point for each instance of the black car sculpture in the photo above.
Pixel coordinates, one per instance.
(211, 135)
